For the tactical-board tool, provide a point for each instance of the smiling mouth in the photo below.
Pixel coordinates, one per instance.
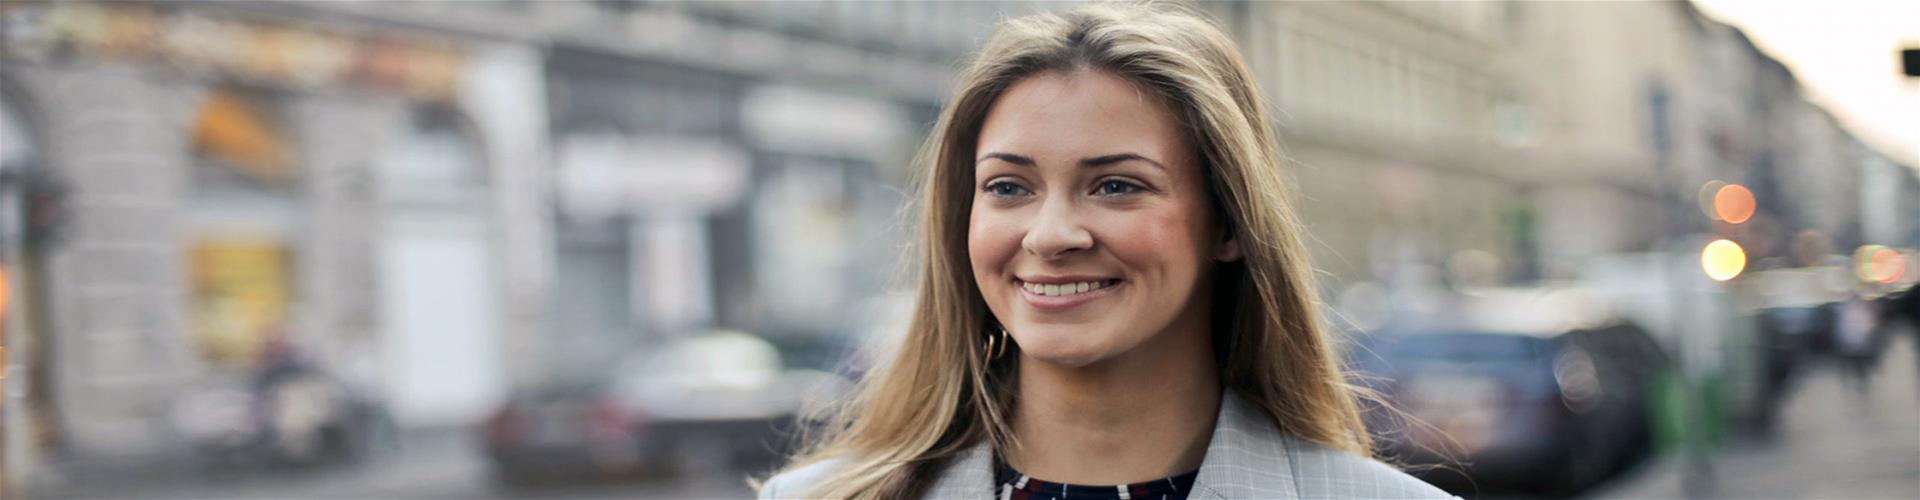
(1065, 289)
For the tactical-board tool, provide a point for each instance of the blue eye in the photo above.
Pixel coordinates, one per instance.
(1116, 188)
(1005, 189)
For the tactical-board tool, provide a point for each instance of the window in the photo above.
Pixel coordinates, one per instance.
(244, 212)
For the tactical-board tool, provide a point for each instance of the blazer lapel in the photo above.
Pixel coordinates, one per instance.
(1246, 457)
(968, 476)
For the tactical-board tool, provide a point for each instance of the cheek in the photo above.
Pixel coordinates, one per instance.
(990, 243)
(1153, 239)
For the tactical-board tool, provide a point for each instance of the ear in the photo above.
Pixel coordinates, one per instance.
(1228, 248)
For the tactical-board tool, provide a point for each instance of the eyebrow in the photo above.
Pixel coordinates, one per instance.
(1091, 161)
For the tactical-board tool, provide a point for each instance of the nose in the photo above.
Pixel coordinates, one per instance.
(1056, 231)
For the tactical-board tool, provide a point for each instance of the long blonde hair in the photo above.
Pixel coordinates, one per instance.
(939, 393)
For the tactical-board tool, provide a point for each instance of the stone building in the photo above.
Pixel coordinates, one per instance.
(223, 179)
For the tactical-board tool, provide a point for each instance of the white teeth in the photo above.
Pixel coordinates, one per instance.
(1058, 289)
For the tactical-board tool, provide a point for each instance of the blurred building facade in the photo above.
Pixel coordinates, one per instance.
(228, 179)
(438, 200)
(449, 200)
(1395, 119)
(756, 158)
(1484, 142)
(1466, 144)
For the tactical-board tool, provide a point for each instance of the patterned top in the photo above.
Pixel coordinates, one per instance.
(1011, 484)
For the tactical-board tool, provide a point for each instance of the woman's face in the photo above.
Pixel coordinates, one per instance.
(1090, 233)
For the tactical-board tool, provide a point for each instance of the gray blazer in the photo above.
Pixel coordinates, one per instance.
(1247, 458)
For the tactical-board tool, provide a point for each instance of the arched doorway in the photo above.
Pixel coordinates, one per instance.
(439, 275)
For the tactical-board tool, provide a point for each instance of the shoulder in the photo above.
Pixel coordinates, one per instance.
(1321, 472)
(797, 481)
(1250, 457)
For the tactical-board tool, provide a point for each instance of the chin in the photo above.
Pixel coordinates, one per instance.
(1061, 349)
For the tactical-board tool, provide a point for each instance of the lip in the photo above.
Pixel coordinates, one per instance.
(1061, 303)
(1040, 279)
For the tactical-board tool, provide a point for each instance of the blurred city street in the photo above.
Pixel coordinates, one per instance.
(427, 466)
(564, 249)
(1834, 441)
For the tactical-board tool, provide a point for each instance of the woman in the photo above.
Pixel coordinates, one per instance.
(1113, 296)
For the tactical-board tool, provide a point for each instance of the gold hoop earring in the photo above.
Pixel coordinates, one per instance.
(997, 344)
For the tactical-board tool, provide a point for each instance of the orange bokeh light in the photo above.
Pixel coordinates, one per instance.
(1734, 203)
(3, 299)
(1885, 266)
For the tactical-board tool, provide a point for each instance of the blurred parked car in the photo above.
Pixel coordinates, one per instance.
(1901, 307)
(1550, 410)
(1900, 311)
(722, 400)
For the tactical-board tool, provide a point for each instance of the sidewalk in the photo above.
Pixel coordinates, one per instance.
(1833, 442)
(444, 464)
(426, 464)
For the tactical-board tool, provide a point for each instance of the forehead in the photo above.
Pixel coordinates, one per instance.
(1057, 117)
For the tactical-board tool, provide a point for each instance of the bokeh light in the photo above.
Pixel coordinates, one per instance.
(1733, 203)
(3, 298)
(1706, 197)
(1723, 260)
(1878, 264)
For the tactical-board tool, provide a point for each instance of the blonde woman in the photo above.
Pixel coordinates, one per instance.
(1113, 296)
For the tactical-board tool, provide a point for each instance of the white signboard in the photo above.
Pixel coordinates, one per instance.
(604, 173)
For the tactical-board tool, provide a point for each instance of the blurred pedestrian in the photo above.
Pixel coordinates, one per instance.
(1854, 342)
(1114, 298)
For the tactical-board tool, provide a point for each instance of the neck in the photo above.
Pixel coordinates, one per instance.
(1144, 415)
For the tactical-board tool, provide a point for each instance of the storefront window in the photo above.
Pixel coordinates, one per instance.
(597, 303)
(244, 209)
(828, 240)
(805, 212)
(232, 132)
(659, 194)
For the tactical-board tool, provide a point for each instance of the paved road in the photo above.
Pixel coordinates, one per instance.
(1833, 442)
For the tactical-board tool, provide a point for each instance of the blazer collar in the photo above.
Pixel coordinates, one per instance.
(969, 475)
(1246, 458)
